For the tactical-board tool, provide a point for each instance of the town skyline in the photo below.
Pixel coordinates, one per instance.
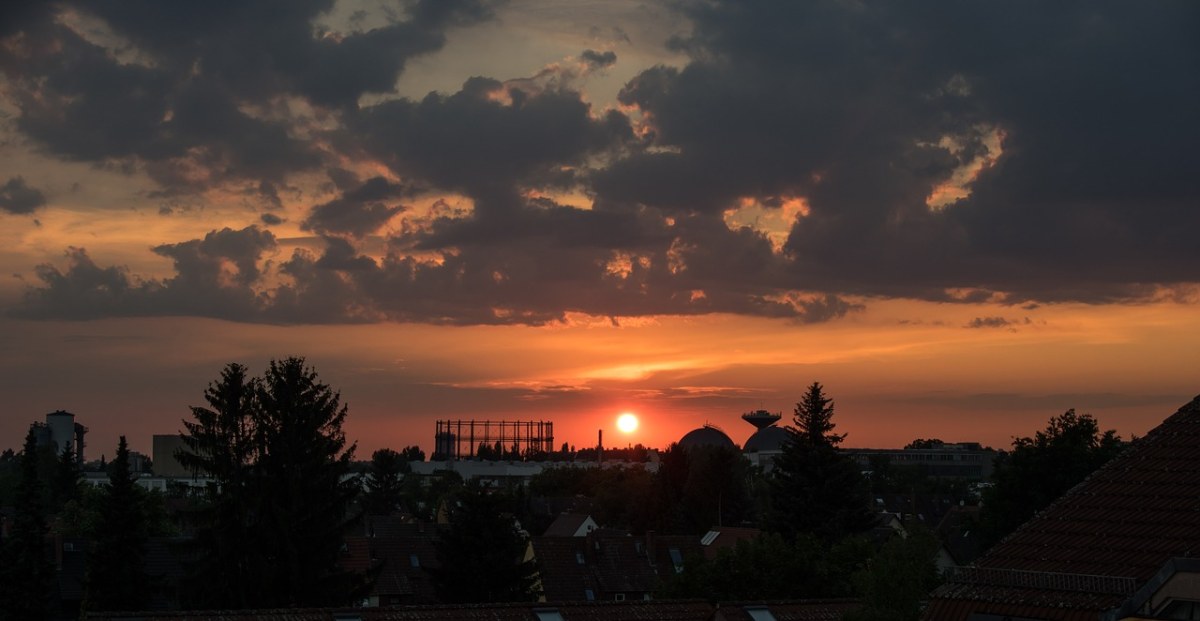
(961, 221)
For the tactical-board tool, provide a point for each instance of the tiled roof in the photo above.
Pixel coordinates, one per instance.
(566, 525)
(1093, 547)
(572, 611)
(726, 537)
(611, 565)
(797, 610)
(398, 575)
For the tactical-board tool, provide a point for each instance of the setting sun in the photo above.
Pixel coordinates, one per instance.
(627, 422)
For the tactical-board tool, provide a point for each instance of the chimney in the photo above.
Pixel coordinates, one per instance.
(600, 445)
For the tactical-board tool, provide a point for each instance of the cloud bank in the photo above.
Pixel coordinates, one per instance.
(808, 158)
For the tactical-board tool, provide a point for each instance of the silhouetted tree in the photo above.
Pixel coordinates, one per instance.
(772, 567)
(304, 488)
(815, 487)
(26, 574)
(384, 482)
(897, 579)
(68, 477)
(116, 571)
(701, 487)
(923, 443)
(277, 450)
(1042, 468)
(482, 553)
(813, 418)
(412, 453)
(220, 443)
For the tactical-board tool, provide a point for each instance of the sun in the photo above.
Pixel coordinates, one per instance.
(627, 422)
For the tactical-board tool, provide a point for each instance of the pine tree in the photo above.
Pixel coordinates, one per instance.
(68, 476)
(116, 572)
(275, 446)
(482, 553)
(220, 443)
(299, 478)
(815, 488)
(26, 576)
(813, 418)
(384, 483)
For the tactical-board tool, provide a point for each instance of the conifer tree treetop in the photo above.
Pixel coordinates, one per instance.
(813, 418)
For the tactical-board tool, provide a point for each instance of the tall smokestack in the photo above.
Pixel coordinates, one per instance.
(600, 445)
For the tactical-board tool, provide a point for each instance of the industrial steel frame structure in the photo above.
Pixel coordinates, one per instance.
(453, 436)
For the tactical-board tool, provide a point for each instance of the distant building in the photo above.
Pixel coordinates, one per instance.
(461, 439)
(708, 435)
(163, 451)
(962, 460)
(571, 525)
(61, 431)
(767, 442)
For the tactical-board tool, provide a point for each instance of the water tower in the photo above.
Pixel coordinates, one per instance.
(761, 419)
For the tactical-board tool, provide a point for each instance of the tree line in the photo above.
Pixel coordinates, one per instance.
(268, 532)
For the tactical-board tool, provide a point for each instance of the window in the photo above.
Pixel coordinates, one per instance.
(676, 559)
(579, 558)
(589, 594)
(414, 560)
(620, 597)
(547, 614)
(759, 613)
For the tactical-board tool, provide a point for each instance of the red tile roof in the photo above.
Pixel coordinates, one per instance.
(572, 611)
(611, 565)
(798, 610)
(1090, 549)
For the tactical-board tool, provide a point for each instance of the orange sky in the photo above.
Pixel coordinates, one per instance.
(899, 371)
(564, 211)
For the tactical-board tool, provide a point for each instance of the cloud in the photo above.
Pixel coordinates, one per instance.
(989, 322)
(599, 59)
(216, 276)
(1057, 142)
(486, 140)
(359, 211)
(18, 197)
(961, 152)
(197, 94)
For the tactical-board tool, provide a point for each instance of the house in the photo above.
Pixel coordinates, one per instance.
(725, 538)
(683, 610)
(797, 610)
(597, 567)
(397, 552)
(1120, 545)
(571, 525)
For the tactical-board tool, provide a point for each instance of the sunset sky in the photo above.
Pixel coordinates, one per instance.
(962, 217)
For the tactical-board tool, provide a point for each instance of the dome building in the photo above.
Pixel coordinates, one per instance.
(768, 441)
(708, 435)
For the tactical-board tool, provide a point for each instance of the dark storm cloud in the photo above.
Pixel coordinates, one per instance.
(360, 210)
(537, 282)
(1057, 138)
(599, 59)
(476, 143)
(18, 197)
(864, 109)
(202, 104)
(214, 277)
